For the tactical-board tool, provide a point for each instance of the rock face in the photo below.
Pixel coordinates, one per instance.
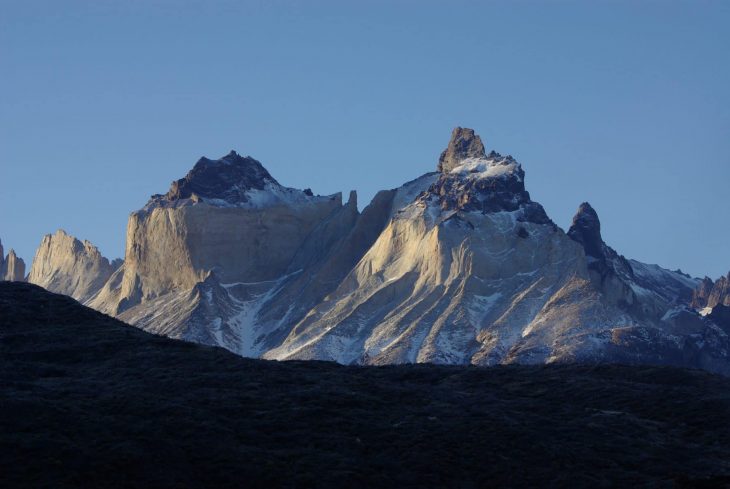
(65, 265)
(645, 291)
(464, 144)
(12, 267)
(473, 271)
(211, 179)
(710, 294)
(712, 301)
(230, 257)
(458, 266)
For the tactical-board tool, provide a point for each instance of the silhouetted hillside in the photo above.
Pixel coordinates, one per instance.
(87, 401)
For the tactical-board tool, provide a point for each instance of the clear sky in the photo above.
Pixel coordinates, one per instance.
(623, 104)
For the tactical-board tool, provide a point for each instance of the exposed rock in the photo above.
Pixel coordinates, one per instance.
(454, 280)
(464, 143)
(232, 271)
(65, 265)
(709, 294)
(702, 293)
(646, 291)
(473, 271)
(12, 267)
(610, 272)
(459, 266)
(228, 179)
(473, 181)
(586, 230)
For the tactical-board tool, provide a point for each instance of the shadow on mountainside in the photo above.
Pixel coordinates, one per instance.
(87, 401)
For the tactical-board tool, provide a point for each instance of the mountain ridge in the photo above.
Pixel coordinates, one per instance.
(459, 265)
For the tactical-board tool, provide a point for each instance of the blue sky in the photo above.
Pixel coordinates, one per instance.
(623, 104)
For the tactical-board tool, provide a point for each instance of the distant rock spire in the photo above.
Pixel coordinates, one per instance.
(464, 144)
(14, 267)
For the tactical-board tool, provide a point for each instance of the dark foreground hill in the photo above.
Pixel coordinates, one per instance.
(86, 401)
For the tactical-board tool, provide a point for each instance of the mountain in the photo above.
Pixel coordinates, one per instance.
(88, 401)
(65, 265)
(12, 267)
(231, 257)
(458, 266)
(473, 271)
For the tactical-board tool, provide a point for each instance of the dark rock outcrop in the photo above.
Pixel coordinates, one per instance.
(489, 183)
(720, 315)
(610, 272)
(227, 179)
(586, 230)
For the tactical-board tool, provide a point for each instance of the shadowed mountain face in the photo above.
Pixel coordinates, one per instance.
(88, 401)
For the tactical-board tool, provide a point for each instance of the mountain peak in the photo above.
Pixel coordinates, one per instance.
(464, 143)
(586, 229)
(227, 178)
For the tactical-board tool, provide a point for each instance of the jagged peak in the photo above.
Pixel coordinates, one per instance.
(352, 200)
(227, 178)
(231, 181)
(470, 180)
(586, 230)
(464, 143)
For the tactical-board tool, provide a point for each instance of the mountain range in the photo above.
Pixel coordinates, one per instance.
(457, 266)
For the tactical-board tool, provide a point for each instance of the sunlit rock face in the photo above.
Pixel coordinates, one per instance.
(230, 257)
(65, 265)
(467, 272)
(473, 271)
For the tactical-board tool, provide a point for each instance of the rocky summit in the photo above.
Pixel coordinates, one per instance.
(457, 266)
(227, 179)
(464, 144)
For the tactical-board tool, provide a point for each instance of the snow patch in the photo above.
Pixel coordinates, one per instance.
(481, 168)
